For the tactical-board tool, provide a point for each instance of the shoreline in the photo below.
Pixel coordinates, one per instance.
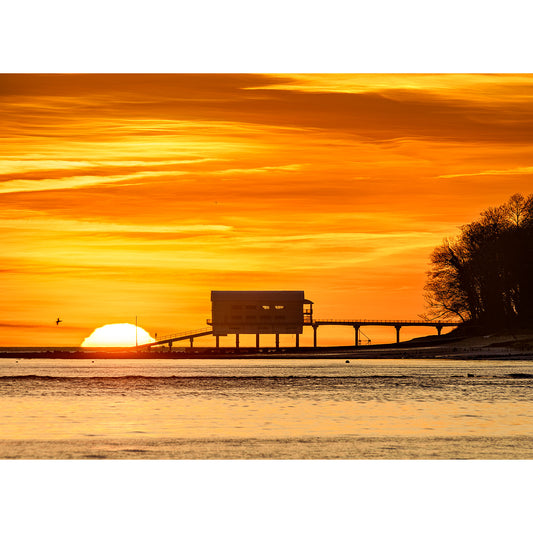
(445, 353)
(518, 346)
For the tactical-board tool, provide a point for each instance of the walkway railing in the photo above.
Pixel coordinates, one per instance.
(184, 334)
(169, 339)
(384, 322)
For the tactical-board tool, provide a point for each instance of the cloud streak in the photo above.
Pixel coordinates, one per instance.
(501, 172)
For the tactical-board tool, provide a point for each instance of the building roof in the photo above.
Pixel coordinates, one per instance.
(264, 296)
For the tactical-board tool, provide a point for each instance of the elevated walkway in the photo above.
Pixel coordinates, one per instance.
(357, 323)
(381, 322)
(174, 337)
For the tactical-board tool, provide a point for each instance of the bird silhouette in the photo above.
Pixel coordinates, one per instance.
(58, 321)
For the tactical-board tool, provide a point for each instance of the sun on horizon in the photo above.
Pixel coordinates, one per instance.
(117, 335)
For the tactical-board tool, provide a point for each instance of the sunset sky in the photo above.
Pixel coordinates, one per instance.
(125, 195)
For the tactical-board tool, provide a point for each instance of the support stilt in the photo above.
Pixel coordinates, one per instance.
(236, 340)
(356, 335)
(315, 328)
(257, 340)
(398, 334)
(277, 341)
(297, 340)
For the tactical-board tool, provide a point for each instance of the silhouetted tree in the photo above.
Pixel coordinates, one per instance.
(485, 275)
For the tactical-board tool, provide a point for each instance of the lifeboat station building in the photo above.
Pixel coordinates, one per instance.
(259, 312)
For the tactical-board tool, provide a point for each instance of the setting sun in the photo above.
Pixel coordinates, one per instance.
(116, 335)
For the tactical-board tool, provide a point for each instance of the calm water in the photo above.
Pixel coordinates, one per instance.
(273, 409)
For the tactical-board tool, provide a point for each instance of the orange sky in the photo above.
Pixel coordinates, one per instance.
(128, 195)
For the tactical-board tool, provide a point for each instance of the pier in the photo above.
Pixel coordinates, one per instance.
(276, 313)
(315, 324)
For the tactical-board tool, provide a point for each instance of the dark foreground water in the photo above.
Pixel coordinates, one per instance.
(283, 409)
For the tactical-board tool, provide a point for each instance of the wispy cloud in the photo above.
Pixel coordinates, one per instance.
(259, 170)
(492, 172)
(87, 226)
(19, 164)
(75, 182)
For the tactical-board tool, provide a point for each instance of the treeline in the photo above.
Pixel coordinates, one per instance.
(485, 276)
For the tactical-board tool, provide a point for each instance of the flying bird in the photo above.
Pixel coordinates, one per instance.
(58, 321)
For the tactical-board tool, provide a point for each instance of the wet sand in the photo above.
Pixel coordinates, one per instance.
(349, 447)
